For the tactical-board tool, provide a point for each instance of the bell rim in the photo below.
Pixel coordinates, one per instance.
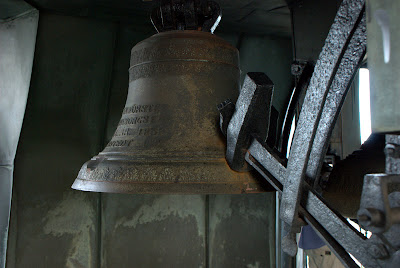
(239, 187)
(167, 177)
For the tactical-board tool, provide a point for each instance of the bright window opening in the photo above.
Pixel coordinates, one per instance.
(364, 102)
(291, 135)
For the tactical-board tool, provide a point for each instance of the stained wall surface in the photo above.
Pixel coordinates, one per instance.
(78, 89)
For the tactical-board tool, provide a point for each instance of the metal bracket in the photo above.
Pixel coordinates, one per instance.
(339, 60)
(251, 117)
(380, 205)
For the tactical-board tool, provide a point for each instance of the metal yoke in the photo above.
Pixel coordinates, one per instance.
(186, 15)
(251, 117)
(333, 72)
(339, 60)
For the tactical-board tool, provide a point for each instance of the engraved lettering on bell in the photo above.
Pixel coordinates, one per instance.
(146, 108)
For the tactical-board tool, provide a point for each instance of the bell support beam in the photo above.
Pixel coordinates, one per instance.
(347, 19)
(338, 62)
(251, 116)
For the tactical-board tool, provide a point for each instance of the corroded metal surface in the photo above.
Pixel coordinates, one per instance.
(250, 118)
(167, 140)
(330, 63)
(339, 61)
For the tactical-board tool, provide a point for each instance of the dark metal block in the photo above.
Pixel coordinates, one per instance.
(251, 117)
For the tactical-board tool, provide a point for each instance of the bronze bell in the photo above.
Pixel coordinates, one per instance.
(168, 139)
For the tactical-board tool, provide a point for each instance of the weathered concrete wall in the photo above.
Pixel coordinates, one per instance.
(78, 90)
(153, 231)
(241, 231)
(56, 226)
